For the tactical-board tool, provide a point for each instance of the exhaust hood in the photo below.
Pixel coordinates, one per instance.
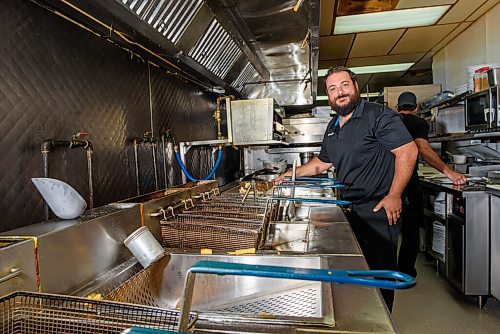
(252, 49)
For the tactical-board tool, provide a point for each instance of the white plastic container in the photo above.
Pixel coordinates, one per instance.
(144, 246)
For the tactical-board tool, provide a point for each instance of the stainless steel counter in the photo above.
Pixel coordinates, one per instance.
(357, 309)
(73, 252)
(86, 254)
(467, 222)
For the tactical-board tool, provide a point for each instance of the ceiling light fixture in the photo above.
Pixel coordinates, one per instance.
(374, 69)
(362, 95)
(392, 19)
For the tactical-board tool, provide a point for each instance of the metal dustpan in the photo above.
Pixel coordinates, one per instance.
(63, 200)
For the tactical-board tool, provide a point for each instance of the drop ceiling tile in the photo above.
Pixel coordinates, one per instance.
(363, 79)
(382, 60)
(403, 4)
(424, 63)
(451, 36)
(329, 63)
(460, 11)
(335, 47)
(326, 17)
(386, 78)
(377, 43)
(482, 10)
(380, 80)
(422, 38)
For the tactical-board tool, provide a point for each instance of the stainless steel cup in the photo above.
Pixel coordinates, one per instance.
(144, 246)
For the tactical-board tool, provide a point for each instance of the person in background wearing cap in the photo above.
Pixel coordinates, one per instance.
(413, 214)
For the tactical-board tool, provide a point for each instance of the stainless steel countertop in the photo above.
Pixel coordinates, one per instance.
(357, 309)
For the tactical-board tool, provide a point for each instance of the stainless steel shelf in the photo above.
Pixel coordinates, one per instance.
(467, 136)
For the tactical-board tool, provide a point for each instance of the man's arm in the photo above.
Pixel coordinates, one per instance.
(313, 167)
(404, 162)
(428, 154)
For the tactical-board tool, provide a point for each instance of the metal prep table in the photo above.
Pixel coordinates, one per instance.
(495, 242)
(467, 243)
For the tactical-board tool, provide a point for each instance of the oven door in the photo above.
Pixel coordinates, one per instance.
(477, 111)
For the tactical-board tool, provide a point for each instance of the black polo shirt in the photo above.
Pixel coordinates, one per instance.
(361, 151)
(418, 128)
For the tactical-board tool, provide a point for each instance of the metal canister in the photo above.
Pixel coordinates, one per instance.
(305, 157)
(144, 246)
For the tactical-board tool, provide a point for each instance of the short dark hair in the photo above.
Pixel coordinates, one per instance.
(338, 69)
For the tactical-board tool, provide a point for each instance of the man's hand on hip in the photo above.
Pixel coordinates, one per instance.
(392, 206)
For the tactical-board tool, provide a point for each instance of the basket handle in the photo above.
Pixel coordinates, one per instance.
(385, 279)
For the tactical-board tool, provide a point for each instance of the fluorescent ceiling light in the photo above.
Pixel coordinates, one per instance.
(374, 69)
(363, 95)
(392, 19)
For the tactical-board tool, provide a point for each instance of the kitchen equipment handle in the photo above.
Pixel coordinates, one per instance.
(313, 179)
(385, 279)
(311, 186)
(311, 200)
(13, 272)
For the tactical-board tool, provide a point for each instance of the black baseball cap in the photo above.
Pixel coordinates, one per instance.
(407, 100)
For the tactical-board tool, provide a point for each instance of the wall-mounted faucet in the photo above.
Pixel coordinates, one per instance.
(74, 142)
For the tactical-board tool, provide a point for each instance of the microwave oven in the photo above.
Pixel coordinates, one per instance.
(481, 111)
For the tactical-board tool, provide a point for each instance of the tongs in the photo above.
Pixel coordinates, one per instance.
(384, 279)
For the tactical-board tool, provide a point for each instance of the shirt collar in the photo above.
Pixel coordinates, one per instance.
(359, 109)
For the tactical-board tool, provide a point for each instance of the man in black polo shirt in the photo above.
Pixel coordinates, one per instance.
(413, 211)
(374, 156)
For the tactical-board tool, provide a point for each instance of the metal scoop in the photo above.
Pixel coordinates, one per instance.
(63, 200)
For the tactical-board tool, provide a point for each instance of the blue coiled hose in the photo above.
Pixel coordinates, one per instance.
(209, 176)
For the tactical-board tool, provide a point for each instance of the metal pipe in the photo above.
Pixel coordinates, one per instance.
(217, 113)
(136, 147)
(291, 204)
(275, 81)
(49, 144)
(75, 142)
(89, 167)
(45, 162)
(163, 149)
(153, 150)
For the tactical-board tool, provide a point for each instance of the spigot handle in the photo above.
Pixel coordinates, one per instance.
(80, 133)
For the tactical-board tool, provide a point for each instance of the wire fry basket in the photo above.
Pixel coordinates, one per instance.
(29, 312)
(215, 233)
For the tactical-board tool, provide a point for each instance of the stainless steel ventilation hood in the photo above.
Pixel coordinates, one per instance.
(254, 49)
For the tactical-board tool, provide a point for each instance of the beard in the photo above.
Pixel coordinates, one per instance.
(347, 108)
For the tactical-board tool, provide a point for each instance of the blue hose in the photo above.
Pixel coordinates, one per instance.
(209, 176)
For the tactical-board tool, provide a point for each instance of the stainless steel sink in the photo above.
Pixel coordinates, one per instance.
(234, 298)
(285, 236)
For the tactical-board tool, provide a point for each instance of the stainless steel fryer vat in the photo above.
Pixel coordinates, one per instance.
(230, 298)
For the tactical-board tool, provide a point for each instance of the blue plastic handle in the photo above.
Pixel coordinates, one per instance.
(312, 200)
(384, 279)
(314, 179)
(143, 330)
(319, 185)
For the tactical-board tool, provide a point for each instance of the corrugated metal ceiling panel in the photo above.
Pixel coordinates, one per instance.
(245, 76)
(216, 50)
(170, 17)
